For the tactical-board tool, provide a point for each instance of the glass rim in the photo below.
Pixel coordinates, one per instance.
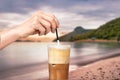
(59, 46)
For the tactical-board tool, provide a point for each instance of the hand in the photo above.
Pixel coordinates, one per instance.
(40, 23)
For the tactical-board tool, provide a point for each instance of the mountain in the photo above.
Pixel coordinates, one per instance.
(76, 31)
(108, 31)
(80, 30)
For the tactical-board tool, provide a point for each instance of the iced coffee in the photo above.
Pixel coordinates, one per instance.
(59, 62)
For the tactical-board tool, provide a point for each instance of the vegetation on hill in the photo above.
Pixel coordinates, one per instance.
(108, 31)
(77, 30)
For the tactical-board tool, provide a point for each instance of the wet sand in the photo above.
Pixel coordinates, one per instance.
(108, 69)
(39, 71)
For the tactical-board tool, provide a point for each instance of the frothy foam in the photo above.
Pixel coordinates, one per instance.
(60, 46)
(59, 54)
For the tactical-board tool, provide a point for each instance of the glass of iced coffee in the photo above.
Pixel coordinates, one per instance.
(58, 56)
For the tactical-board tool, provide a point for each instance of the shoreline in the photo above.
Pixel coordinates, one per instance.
(86, 40)
(97, 40)
(107, 69)
(39, 71)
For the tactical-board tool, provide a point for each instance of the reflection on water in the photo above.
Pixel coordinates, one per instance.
(95, 48)
(24, 53)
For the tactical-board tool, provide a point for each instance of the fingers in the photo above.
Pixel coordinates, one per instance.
(39, 28)
(52, 19)
(44, 22)
(49, 18)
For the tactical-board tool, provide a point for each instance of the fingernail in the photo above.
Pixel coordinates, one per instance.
(45, 33)
(53, 31)
(39, 33)
(58, 26)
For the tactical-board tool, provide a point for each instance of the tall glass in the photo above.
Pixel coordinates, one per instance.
(58, 56)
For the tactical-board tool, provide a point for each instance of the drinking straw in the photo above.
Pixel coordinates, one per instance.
(57, 36)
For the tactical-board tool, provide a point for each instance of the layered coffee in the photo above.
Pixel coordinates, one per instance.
(59, 62)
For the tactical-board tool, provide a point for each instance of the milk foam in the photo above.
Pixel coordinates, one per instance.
(59, 54)
(60, 46)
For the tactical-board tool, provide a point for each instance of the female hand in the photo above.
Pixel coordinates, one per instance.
(40, 23)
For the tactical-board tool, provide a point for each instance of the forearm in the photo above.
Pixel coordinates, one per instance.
(40, 22)
(7, 37)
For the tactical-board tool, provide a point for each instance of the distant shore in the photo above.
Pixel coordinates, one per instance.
(52, 39)
(68, 41)
(97, 40)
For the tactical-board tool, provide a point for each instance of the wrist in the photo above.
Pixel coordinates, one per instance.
(15, 33)
(10, 32)
(9, 36)
(19, 31)
(23, 31)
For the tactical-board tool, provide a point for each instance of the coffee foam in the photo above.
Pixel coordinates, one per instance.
(59, 54)
(60, 46)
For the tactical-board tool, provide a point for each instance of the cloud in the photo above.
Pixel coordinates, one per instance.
(5, 24)
(84, 8)
(71, 13)
(12, 19)
(70, 19)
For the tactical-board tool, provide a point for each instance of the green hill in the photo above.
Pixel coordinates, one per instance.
(108, 31)
(77, 30)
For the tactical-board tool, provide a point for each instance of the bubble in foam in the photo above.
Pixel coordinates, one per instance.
(60, 46)
(59, 54)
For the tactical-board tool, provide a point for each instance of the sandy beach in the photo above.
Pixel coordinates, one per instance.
(40, 71)
(108, 69)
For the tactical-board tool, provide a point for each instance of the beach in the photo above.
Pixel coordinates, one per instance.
(107, 69)
(39, 71)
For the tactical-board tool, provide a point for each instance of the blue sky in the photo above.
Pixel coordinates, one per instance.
(89, 14)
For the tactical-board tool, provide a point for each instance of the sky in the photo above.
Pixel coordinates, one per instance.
(89, 14)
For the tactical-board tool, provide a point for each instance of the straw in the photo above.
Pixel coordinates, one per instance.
(57, 37)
